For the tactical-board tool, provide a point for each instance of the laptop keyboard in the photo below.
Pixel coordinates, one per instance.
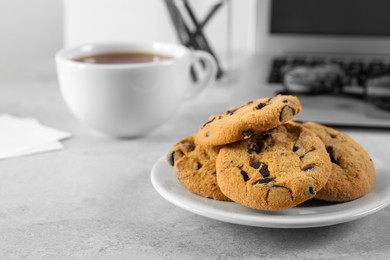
(357, 71)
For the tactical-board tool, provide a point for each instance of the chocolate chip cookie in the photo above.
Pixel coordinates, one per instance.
(353, 173)
(194, 167)
(274, 170)
(256, 116)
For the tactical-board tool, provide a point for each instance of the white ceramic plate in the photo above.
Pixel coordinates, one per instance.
(306, 215)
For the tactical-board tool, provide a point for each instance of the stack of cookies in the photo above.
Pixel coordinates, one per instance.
(255, 155)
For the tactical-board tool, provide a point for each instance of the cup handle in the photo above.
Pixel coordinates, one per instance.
(205, 69)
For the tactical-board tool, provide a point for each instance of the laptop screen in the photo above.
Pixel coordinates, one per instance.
(331, 17)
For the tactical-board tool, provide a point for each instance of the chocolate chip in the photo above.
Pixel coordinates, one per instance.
(229, 112)
(285, 101)
(244, 175)
(264, 170)
(330, 151)
(208, 122)
(256, 165)
(295, 148)
(286, 113)
(171, 158)
(198, 165)
(247, 133)
(260, 106)
(190, 147)
(311, 190)
(254, 148)
(309, 167)
(264, 180)
(265, 136)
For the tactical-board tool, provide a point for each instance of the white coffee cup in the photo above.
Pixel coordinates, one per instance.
(131, 99)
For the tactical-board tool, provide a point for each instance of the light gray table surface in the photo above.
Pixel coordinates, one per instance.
(95, 200)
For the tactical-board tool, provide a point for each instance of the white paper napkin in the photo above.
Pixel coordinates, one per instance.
(23, 136)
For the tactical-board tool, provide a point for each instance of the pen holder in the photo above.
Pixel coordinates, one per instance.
(204, 25)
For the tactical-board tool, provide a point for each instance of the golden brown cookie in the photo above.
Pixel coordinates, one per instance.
(277, 169)
(256, 116)
(353, 173)
(194, 167)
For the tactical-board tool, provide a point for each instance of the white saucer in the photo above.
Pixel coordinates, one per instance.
(307, 215)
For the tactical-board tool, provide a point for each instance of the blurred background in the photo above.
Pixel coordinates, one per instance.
(32, 31)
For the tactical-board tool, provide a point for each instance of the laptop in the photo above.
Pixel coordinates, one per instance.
(352, 34)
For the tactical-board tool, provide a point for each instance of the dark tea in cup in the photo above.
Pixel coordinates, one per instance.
(123, 58)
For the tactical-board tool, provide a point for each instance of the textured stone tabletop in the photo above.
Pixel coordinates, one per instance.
(94, 199)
